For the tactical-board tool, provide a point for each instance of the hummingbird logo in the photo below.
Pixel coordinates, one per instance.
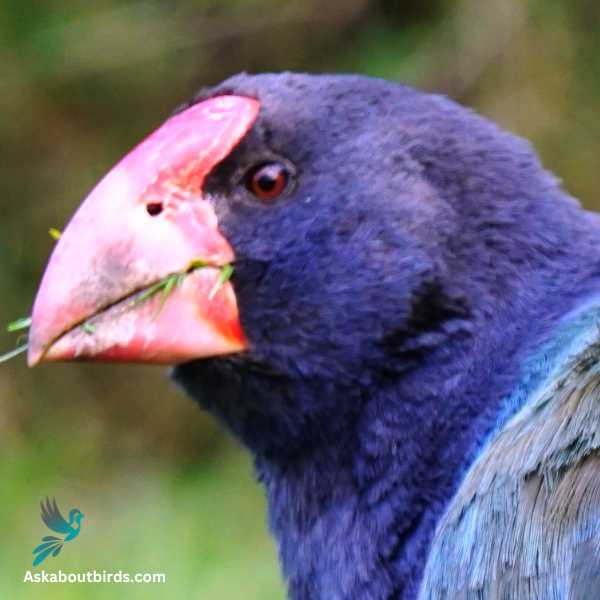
(54, 520)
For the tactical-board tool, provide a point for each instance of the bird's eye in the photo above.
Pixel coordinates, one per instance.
(267, 181)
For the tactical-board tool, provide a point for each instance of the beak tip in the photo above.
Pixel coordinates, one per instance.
(34, 356)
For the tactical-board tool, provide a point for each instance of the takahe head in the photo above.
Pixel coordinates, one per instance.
(397, 258)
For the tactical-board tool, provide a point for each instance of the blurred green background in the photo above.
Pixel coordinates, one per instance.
(163, 490)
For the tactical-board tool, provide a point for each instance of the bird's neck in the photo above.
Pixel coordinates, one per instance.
(357, 477)
(354, 517)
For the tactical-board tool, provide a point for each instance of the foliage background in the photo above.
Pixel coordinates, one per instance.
(80, 83)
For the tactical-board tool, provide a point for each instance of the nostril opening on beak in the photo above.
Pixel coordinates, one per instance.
(154, 208)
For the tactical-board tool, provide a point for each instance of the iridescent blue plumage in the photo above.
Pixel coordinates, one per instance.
(525, 522)
(420, 316)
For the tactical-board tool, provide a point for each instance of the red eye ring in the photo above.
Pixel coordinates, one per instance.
(268, 180)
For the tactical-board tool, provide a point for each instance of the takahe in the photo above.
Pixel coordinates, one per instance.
(408, 345)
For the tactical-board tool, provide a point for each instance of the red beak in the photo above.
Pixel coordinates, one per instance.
(146, 227)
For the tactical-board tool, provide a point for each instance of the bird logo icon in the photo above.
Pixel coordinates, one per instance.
(52, 517)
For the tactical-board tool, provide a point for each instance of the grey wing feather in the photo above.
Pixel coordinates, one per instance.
(525, 522)
(585, 574)
(53, 518)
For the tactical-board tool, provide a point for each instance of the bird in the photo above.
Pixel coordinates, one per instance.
(54, 520)
(391, 304)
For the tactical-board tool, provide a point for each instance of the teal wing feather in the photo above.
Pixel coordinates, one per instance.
(45, 545)
(44, 550)
(525, 522)
(53, 518)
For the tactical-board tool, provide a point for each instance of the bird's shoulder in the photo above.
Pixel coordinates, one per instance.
(525, 522)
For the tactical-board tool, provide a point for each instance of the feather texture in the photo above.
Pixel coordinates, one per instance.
(525, 522)
(415, 355)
